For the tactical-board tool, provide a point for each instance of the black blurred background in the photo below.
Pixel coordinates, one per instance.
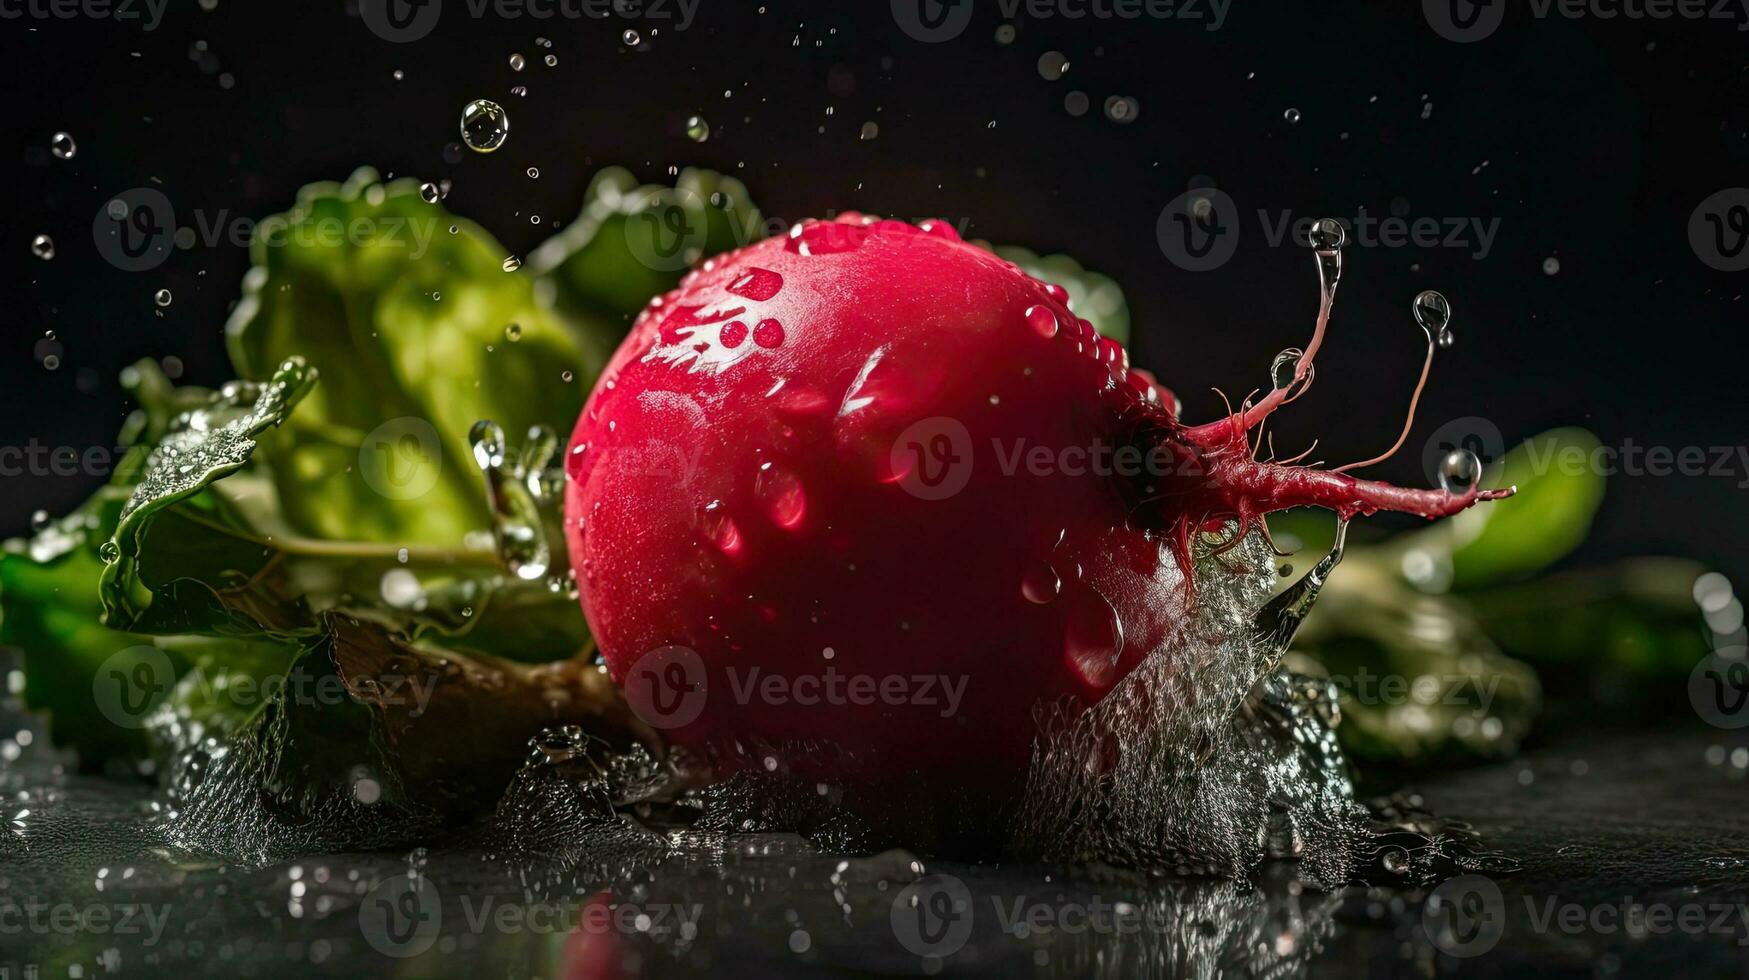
(1591, 139)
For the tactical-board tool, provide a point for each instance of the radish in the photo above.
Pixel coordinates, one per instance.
(870, 487)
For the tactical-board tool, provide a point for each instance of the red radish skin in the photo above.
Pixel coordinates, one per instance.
(755, 479)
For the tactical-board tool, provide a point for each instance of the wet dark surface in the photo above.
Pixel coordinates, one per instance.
(1633, 853)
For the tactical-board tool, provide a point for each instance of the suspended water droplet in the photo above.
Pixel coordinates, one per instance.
(62, 146)
(1433, 313)
(162, 297)
(870, 130)
(1076, 103)
(512, 263)
(1446, 338)
(1121, 109)
(1292, 115)
(43, 247)
(534, 173)
(485, 125)
(516, 62)
(781, 493)
(550, 60)
(429, 192)
(631, 38)
(1041, 320)
(1005, 34)
(1283, 369)
(1459, 471)
(1041, 583)
(566, 376)
(697, 129)
(513, 332)
(1052, 65)
(1551, 266)
(1328, 235)
(519, 90)
(1093, 638)
(510, 493)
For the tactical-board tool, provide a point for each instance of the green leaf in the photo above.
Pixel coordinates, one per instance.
(633, 242)
(411, 327)
(176, 551)
(50, 610)
(1558, 494)
(1093, 297)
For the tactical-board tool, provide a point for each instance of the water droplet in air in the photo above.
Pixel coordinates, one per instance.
(550, 60)
(1551, 266)
(1076, 103)
(697, 129)
(631, 38)
(43, 247)
(429, 192)
(485, 125)
(1327, 235)
(721, 529)
(512, 263)
(1052, 65)
(1283, 368)
(162, 297)
(1291, 115)
(513, 333)
(62, 146)
(870, 130)
(516, 62)
(519, 90)
(1005, 34)
(1433, 313)
(1460, 471)
(1122, 109)
(566, 376)
(534, 173)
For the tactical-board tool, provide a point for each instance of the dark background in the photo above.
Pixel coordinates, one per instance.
(1592, 140)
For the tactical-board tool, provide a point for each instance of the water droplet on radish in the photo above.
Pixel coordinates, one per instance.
(757, 284)
(781, 493)
(720, 528)
(1042, 320)
(733, 334)
(1041, 583)
(1093, 639)
(1459, 471)
(768, 334)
